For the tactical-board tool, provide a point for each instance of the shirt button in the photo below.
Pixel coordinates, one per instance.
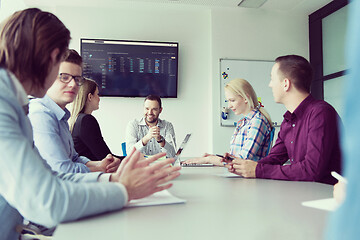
(292, 142)
(293, 125)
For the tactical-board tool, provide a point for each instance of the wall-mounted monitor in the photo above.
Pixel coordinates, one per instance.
(131, 68)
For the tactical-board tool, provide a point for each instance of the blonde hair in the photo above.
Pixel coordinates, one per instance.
(244, 89)
(79, 104)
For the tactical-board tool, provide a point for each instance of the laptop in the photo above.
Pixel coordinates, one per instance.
(179, 151)
(182, 146)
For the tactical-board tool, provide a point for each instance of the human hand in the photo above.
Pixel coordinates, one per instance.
(243, 167)
(142, 179)
(154, 132)
(142, 162)
(339, 192)
(100, 166)
(228, 158)
(113, 166)
(108, 161)
(207, 154)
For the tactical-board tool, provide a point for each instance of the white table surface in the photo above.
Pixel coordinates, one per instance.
(216, 208)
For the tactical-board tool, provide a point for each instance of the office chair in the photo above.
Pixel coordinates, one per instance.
(123, 147)
(272, 133)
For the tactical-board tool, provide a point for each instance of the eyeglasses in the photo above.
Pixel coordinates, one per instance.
(66, 78)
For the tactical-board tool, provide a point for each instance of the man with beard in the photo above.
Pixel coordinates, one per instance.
(149, 134)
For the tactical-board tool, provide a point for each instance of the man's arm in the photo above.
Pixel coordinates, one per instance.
(168, 147)
(51, 146)
(133, 138)
(248, 168)
(278, 154)
(28, 185)
(321, 137)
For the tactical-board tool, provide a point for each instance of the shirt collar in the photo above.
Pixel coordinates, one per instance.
(300, 110)
(56, 109)
(251, 114)
(20, 92)
(159, 124)
(247, 118)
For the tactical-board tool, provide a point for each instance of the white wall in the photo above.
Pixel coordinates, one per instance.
(191, 28)
(205, 36)
(251, 34)
(8, 7)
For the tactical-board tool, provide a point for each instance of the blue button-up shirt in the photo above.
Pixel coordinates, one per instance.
(53, 138)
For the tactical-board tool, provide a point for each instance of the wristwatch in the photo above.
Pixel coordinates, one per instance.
(161, 139)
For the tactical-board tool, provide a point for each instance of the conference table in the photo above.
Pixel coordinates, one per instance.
(216, 207)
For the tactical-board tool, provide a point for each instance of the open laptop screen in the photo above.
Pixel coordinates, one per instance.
(179, 151)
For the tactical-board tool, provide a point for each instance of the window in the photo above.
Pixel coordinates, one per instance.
(327, 35)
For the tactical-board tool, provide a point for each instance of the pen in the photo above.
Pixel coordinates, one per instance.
(338, 177)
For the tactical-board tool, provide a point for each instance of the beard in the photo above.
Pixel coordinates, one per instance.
(154, 119)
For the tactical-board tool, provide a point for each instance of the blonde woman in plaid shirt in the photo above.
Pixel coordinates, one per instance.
(251, 137)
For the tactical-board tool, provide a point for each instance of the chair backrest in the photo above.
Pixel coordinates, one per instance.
(272, 133)
(123, 147)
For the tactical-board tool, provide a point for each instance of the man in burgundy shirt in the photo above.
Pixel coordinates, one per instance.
(308, 137)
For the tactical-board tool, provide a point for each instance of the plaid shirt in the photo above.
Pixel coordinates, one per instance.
(251, 137)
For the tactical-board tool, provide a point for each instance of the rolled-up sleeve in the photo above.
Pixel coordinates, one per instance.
(132, 133)
(170, 140)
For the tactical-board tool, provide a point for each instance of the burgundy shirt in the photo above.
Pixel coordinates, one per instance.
(309, 138)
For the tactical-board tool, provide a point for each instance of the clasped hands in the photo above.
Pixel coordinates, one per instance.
(243, 167)
(109, 164)
(154, 132)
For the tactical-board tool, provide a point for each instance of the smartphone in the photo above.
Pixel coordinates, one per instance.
(226, 158)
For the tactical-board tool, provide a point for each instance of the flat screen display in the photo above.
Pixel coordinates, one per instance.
(131, 68)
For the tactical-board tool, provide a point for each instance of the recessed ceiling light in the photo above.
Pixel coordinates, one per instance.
(251, 3)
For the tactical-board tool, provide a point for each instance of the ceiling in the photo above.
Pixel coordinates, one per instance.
(290, 6)
(303, 6)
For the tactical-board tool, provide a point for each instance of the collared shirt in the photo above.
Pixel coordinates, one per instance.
(53, 138)
(20, 93)
(138, 128)
(309, 138)
(27, 184)
(251, 137)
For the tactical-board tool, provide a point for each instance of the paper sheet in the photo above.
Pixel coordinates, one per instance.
(327, 204)
(159, 198)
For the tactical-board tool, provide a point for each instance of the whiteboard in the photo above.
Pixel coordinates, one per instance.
(257, 73)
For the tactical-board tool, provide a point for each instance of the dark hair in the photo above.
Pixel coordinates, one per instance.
(72, 56)
(27, 39)
(154, 98)
(297, 69)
